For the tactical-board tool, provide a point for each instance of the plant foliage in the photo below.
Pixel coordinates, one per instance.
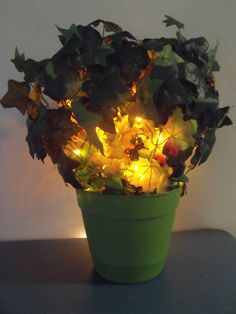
(107, 104)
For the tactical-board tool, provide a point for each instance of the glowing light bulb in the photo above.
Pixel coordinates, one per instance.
(161, 138)
(136, 168)
(138, 119)
(77, 152)
(68, 102)
(134, 90)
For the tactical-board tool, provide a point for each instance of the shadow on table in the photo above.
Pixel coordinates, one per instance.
(48, 261)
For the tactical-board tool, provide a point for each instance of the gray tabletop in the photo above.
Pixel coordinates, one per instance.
(57, 277)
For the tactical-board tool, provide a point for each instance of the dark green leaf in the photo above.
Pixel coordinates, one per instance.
(18, 60)
(171, 21)
(163, 73)
(129, 55)
(33, 70)
(66, 168)
(144, 105)
(105, 89)
(204, 148)
(50, 70)
(189, 72)
(112, 27)
(130, 73)
(70, 33)
(72, 88)
(114, 183)
(221, 118)
(171, 93)
(119, 37)
(55, 88)
(181, 39)
(89, 121)
(212, 63)
(98, 55)
(107, 123)
(60, 128)
(36, 130)
(152, 44)
(195, 50)
(108, 26)
(184, 178)
(178, 170)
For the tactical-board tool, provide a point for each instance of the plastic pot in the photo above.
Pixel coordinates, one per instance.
(128, 236)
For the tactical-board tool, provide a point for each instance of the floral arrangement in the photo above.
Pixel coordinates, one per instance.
(120, 115)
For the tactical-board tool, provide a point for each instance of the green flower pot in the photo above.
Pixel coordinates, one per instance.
(128, 236)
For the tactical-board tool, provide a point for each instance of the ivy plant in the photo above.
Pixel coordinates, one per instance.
(84, 106)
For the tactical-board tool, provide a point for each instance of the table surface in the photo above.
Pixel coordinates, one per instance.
(57, 277)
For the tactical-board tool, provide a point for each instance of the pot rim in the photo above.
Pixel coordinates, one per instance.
(141, 196)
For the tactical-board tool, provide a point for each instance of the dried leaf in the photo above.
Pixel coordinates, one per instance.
(16, 96)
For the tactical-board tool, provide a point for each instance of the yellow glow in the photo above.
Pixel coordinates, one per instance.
(77, 152)
(150, 170)
(160, 137)
(138, 119)
(134, 90)
(68, 102)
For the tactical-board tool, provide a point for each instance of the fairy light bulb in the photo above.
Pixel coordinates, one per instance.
(77, 152)
(138, 119)
(136, 168)
(68, 103)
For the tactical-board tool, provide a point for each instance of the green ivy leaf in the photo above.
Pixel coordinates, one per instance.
(17, 96)
(68, 34)
(36, 130)
(119, 37)
(204, 148)
(112, 27)
(212, 63)
(55, 88)
(172, 92)
(171, 21)
(181, 39)
(33, 70)
(163, 72)
(221, 118)
(98, 55)
(89, 121)
(114, 183)
(108, 26)
(66, 168)
(50, 70)
(19, 60)
(144, 105)
(183, 178)
(168, 57)
(72, 88)
(189, 72)
(105, 89)
(59, 129)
